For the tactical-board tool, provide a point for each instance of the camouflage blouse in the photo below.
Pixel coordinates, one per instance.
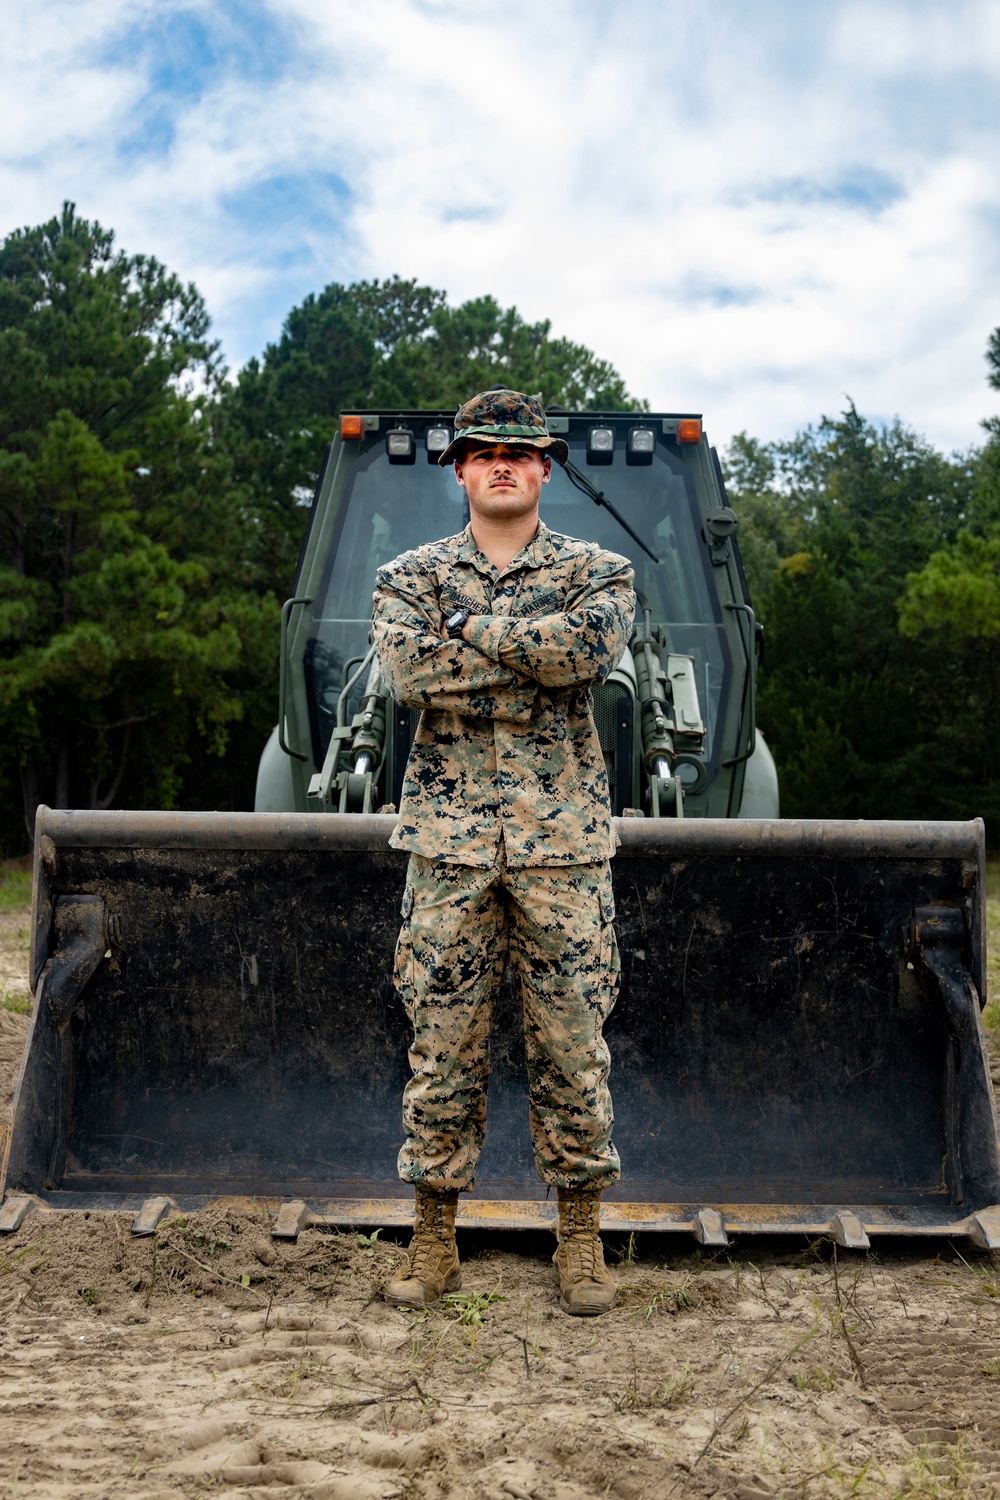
(506, 741)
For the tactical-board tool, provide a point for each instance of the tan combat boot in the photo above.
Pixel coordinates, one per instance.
(432, 1267)
(585, 1288)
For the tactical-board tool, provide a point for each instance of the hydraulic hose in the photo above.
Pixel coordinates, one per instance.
(345, 690)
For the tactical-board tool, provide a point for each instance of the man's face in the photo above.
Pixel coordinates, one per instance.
(503, 481)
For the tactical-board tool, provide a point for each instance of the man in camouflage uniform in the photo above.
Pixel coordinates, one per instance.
(498, 635)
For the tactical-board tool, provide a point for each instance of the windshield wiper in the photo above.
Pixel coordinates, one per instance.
(599, 498)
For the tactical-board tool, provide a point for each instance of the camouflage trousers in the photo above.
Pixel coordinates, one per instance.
(460, 926)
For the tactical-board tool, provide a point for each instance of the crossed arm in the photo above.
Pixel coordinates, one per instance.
(581, 644)
(496, 672)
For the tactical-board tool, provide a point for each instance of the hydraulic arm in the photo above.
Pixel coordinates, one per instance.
(673, 732)
(346, 782)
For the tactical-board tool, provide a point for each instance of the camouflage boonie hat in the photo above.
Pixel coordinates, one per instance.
(503, 416)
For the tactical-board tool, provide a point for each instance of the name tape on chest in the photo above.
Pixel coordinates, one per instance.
(534, 602)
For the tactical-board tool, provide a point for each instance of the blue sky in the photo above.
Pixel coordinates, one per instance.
(757, 208)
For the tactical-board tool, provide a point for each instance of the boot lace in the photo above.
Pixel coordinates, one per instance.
(584, 1259)
(430, 1239)
(581, 1258)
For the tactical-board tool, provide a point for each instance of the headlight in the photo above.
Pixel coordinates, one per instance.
(400, 446)
(437, 441)
(641, 445)
(601, 445)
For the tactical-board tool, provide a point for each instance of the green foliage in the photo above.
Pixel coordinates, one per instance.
(957, 595)
(15, 890)
(375, 344)
(772, 523)
(993, 359)
(130, 642)
(470, 1309)
(950, 611)
(852, 537)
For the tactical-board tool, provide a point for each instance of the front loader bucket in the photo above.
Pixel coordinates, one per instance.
(797, 1046)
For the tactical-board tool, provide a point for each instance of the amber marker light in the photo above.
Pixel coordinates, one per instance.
(352, 428)
(689, 430)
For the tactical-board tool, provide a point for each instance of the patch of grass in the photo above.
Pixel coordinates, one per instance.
(10, 1263)
(18, 1005)
(92, 1295)
(204, 1240)
(211, 1244)
(15, 890)
(658, 1394)
(861, 1483)
(991, 1015)
(287, 1383)
(628, 1255)
(670, 1297)
(991, 1368)
(816, 1379)
(987, 1275)
(932, 1475)
(470, 1309)
(426, 1338)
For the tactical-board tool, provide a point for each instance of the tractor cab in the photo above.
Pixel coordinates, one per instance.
(676, 719)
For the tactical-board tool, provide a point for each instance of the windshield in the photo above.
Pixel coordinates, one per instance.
(390, 508)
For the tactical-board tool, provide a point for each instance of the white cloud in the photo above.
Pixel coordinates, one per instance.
(751, 210)
(918, 38)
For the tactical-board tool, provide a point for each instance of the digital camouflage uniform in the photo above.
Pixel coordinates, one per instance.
(506, 816)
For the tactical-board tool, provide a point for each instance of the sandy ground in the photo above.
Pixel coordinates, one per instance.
(208, 1361)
